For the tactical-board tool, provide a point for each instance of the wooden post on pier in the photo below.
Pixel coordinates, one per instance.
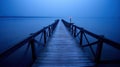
(33, 49)
(70, 19)
(44, 37)
(99, 50)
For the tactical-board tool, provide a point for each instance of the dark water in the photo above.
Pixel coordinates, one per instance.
(109, 27)
(13, 30)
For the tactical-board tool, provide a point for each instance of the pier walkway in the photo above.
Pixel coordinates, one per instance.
(62, 51)
(60, 44)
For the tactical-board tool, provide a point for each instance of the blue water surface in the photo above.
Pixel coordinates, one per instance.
(14, 30)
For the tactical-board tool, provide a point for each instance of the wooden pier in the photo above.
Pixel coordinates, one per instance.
(62, 51)
(59, 44)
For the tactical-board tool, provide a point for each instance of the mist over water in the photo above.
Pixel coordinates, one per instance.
(109, 27)
(101, 17)
(14, 30)
(60, 8)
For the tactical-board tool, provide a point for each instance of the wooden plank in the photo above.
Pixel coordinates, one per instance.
(62, 51)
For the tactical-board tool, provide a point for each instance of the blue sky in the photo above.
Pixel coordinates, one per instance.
(60, 8)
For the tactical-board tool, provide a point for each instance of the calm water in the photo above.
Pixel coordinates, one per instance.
(109, 27)
(13, 30)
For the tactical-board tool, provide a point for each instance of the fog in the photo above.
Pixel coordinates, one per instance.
(101, 17)
(60, 8)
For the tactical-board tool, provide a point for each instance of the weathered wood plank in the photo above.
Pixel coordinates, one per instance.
(62, 51)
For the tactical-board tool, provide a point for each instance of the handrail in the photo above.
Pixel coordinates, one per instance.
(79, 31)
(108, 41)
(48, 30)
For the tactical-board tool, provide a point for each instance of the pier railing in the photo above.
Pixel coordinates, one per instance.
(100, 40)
(39, 38)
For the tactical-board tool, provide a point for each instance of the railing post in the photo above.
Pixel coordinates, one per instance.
(81, 36)
(44, 36)
(71, 24)
(33, 49)
(52, 28)
(72, 29)
(70, 19)
(54, 25)
(75, 31)
(99, 50)
(49, 31)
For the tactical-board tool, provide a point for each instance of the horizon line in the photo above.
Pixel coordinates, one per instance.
(51, 17)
